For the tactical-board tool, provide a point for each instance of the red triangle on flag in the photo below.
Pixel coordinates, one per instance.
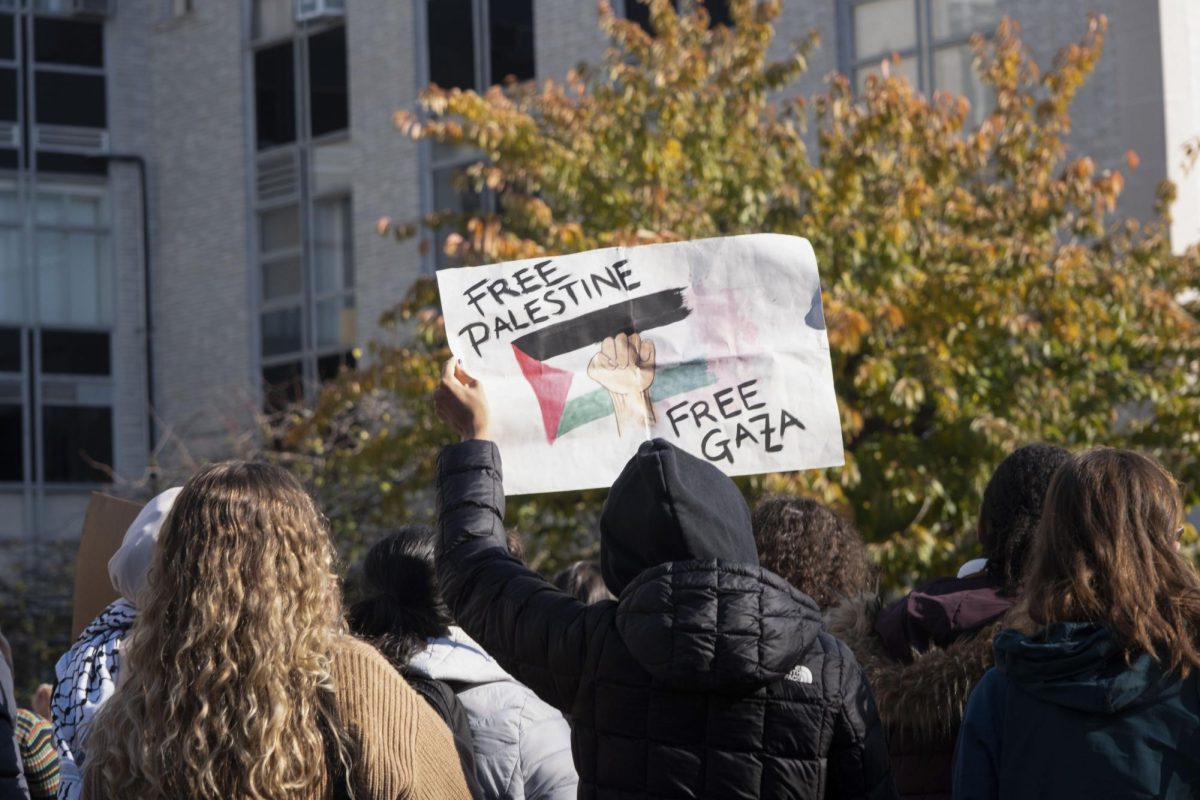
(551, 386)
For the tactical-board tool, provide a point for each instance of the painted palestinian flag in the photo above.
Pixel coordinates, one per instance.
(552, 385)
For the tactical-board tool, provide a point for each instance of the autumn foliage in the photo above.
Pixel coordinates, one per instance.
(980, 289)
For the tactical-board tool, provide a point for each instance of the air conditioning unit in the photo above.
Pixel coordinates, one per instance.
(70, 139)
(89, 9)
(10, 134)
(307, 10)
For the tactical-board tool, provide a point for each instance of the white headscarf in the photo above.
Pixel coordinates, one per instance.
(87, 674)
(128, 567)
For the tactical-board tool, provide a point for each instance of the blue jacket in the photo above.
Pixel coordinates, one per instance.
(1062, 715)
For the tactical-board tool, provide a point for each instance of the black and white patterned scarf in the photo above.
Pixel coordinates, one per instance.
(87, 677)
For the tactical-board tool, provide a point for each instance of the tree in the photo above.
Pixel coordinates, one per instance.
(979, 290)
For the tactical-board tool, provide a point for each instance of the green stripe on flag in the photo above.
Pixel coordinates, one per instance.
(667, 383)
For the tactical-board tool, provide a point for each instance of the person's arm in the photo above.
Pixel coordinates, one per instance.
(38, 755)
(536, 632)
(547, 767)
(976, 756)
(12, 776)
(859, 764)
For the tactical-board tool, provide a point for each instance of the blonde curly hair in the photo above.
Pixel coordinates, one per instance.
(225, 689)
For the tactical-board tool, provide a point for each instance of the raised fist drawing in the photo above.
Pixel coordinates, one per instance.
(625, 367)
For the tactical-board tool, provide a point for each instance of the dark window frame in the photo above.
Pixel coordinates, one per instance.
(310, 135)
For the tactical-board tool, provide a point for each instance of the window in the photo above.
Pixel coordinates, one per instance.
(56, 272)
(66, 41)
(510, 32)
(275, 96)
(77, 442)
(719, 13)
(10, 108)
(451, 43)
(470, 44)
(72, 264)
(639, 11)
(12, 436)
(75, 353)
(304, 228)
(12, 268)
(930, 37)
(56, 354)
(53, 94)
(450, 191)
(329, 107)
(8, 41)
(10, 350)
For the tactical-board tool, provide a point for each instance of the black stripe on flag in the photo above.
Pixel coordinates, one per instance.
(629, 316)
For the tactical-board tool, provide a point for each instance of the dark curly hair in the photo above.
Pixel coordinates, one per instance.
(583, 581)
(813, 548)
(402, 607)
(1012, 508)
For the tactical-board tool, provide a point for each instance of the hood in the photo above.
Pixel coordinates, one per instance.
(667, 505)
(128, 567)
(939, 613)
(457, 658)
(921, 701)
(702, 625)
(1078, 666)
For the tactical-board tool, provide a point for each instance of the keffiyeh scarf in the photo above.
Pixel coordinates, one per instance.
(87, 677)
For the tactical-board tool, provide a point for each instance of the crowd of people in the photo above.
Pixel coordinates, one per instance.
(711, 652)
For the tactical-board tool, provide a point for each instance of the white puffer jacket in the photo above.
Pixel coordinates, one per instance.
(522, 744)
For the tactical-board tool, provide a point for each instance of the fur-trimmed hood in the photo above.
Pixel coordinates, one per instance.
(921, 704)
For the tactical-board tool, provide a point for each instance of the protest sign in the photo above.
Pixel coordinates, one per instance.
(104, 527)
(718, 346)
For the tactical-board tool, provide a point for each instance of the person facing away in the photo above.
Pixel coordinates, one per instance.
(35, 739)
(583, 580)
(813, 548)
(238, 680)
(924, 653)
(87, 673)
(708, 677)
(12, 771)
(398, 616)
(1095, 692)
(518, 747)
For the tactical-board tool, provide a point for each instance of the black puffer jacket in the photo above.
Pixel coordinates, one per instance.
(706, 679)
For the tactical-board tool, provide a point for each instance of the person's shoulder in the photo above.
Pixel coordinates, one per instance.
(354, 664)
(350, 651)
(990, 690)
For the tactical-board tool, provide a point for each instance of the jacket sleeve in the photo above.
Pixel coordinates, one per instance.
(536, 632)
(547, 768)
(12, 777)
(976, 756)
(859, 764)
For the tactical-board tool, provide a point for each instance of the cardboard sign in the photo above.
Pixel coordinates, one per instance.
(104, 527)
(718, 346)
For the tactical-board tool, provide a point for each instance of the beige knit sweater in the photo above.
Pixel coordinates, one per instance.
(406, 751)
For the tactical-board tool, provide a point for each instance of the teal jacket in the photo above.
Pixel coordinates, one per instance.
(1062, 715)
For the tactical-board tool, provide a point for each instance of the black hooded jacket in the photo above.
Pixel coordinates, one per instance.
(709, 677)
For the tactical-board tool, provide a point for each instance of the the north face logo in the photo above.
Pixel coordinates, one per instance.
(800, 674)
